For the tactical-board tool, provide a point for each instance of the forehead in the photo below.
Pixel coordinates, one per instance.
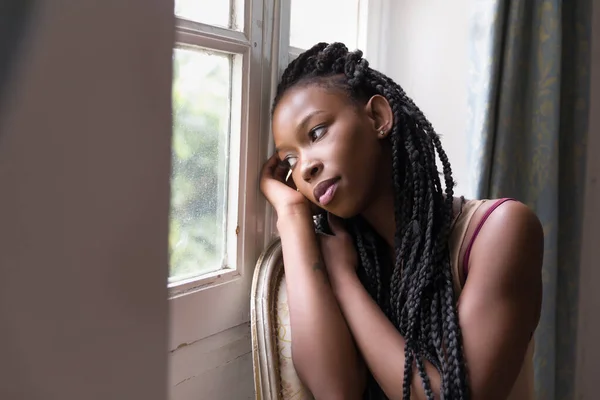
(299, 102)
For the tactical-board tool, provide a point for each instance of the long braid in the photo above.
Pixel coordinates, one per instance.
(416, 293)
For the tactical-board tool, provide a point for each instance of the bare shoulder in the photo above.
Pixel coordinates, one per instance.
(514, 227)
(510, 245)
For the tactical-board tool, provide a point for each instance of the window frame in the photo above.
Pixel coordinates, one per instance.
(227, 290)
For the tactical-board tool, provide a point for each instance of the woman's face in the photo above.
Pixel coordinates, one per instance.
(333, 146)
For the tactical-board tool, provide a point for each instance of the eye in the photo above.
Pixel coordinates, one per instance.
(317, 133)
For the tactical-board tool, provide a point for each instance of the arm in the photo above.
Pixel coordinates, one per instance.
(499, 309)
(323, 351)
(500, 304)
(378, 340)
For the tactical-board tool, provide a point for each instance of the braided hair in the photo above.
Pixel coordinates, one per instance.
(415, 289)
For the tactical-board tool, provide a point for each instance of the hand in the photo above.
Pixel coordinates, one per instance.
(338, 252)
(283, 195)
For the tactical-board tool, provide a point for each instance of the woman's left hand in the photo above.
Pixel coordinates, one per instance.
(339, 254)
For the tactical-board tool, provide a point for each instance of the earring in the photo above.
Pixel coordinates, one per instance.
(382, 132)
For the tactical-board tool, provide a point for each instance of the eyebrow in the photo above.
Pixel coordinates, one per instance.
(304, 122)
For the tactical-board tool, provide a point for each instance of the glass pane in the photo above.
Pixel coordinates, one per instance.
(213, 12)
(335, 21)
(201, 113)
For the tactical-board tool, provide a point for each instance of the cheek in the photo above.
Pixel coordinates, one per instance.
(364, 151)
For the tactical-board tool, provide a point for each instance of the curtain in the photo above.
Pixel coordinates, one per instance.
(528, 113)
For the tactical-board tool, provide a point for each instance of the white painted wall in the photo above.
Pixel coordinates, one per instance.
(423, 47)
(588, 361)
(84, 200)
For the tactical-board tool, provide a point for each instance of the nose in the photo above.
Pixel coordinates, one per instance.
(310, 169)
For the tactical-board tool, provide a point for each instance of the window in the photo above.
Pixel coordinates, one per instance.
(220, 103)
(201, 131)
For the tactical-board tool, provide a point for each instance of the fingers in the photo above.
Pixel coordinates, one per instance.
(281, 171)
(269, 166)
(275, 169)
(267, 173)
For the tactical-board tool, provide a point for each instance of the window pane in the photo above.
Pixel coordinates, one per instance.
(201, 114)
(213, 12)
(335, 21)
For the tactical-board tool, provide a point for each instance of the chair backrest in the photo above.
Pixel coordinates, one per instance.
(265, 284)
(274, 375)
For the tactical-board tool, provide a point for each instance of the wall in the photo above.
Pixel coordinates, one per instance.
(84, 162)
(588, 362)
(425, 51)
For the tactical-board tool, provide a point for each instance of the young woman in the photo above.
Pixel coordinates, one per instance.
(402, 291)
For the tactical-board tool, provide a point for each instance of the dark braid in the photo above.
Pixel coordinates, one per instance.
(416, 290)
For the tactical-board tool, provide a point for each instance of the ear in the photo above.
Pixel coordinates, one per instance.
(380, 112)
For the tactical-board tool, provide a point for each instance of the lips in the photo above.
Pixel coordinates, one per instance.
(325, 191)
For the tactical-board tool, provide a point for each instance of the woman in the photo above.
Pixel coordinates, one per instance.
(416, 294)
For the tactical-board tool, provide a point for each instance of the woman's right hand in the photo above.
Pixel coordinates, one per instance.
(283, 196)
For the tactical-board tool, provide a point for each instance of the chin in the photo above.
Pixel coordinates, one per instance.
(342, 208)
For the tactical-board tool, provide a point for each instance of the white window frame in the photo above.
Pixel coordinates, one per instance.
(218, 301)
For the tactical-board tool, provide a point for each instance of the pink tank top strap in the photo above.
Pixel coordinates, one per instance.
(476, 233)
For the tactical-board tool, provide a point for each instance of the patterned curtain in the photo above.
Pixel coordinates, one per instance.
(528, 113)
